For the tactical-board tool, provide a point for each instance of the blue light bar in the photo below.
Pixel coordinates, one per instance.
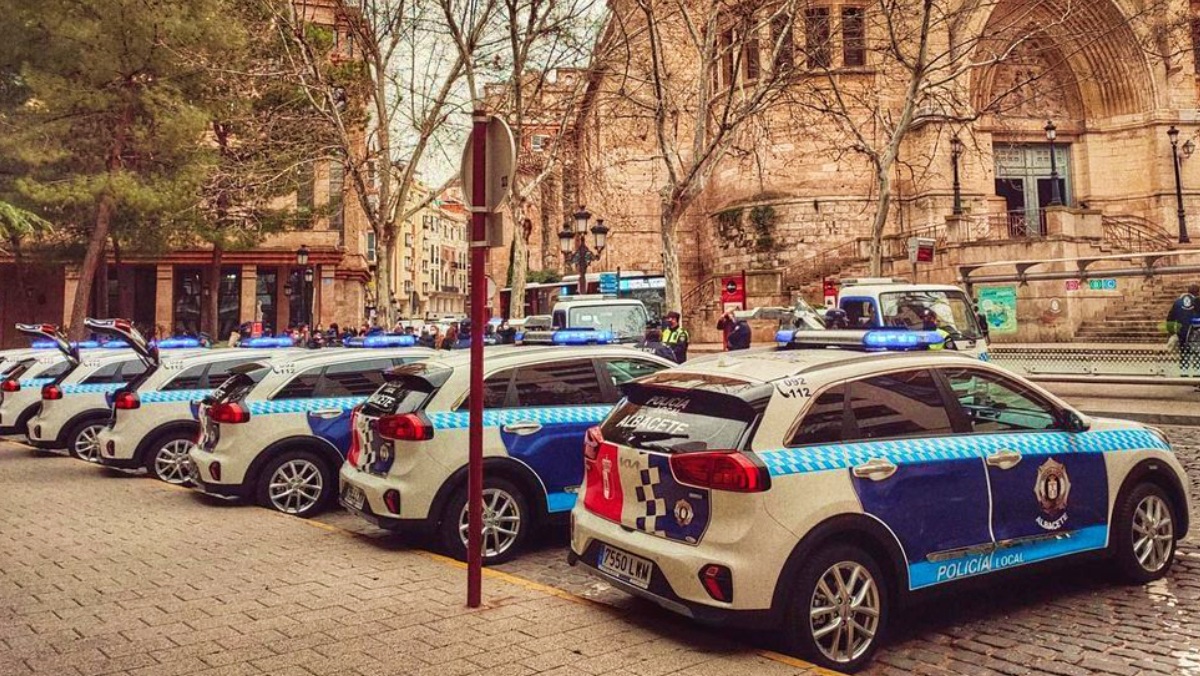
(51, 345)
(582, 337)
(901, 340)
(178, 343)
(115, 345)
(382, 340)
(266, 342)
(784, 336)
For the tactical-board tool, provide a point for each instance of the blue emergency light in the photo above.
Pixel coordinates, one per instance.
(901, 339)
(381, 340)
(51, 345)
(178, 343)
(581, 337)
(267, 342)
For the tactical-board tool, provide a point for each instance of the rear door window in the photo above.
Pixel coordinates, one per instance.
(561, 383)
(109, 373)
(896, 405)
(189, 379)
(827, 420)
(219, 372)
(303, 386)
(683, 421)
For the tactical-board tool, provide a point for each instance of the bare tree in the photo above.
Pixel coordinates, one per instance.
(542, 36)
(700, 73)
(388, 89)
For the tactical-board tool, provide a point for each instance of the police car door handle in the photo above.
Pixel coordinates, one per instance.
(325, 413)
(523, 428)
(876, 469)
(1004, 459)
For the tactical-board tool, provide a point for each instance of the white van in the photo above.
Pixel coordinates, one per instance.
(893, 303)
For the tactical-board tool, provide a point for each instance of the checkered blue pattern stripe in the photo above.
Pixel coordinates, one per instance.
(173, 396)
(460, 420)
(35, 382)
(784, 461)
(275, 406)
(95, 388)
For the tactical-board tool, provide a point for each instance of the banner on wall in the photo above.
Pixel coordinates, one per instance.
(999, 307)
(733, 292)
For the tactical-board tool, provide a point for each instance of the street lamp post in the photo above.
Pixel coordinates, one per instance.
(574, 247)
(306, 280)
(956, 150)
(1055, 193)
(1173, 133)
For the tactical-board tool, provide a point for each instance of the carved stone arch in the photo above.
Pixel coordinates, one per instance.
(1085, 52)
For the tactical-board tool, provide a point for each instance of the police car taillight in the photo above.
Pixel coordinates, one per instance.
(10, 385)
(355, 443)
(126, 401)
(51, 392)
(720, 470)
(718, 582)
(229, 414)
(405, 427)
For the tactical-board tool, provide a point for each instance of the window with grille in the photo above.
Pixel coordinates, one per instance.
(816, 37)
(854, 37)
(337, 186)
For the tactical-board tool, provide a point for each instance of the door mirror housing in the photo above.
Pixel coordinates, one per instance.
(1075, 422)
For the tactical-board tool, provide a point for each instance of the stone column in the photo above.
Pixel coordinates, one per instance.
(283, 304)
(249, 304)
(70, 288)
(164, 300)
(324, 298)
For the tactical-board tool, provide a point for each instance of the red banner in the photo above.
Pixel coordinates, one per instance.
(733, 292)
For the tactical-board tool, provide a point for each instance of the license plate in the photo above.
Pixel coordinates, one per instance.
(625, 566)
(354, 497)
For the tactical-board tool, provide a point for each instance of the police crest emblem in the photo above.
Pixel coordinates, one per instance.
(684, 513)
(1052, 487)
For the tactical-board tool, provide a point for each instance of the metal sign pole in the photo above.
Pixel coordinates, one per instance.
(479, 208)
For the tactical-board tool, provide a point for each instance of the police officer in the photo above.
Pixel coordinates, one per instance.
(652, 344)
(1179, 322)
(676, 337)
(929, 322)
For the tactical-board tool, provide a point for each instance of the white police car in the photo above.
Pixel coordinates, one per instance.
(151, 424)
(277, 431)
(815, 489)
(407, 463)
(21, 387)
(74, 409)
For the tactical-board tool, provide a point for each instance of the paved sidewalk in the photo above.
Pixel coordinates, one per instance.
(105, 573)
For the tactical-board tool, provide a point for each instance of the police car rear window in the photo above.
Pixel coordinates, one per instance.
(400, 395)
(681, 421)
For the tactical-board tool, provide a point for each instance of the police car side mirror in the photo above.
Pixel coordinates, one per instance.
(1074, 422)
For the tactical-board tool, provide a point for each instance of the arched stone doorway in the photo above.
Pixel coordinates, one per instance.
(1078, 64)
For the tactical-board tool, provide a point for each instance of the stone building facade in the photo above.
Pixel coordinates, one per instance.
(794, 200)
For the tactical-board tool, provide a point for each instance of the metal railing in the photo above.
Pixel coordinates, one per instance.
(1133, 365)
(1134, 234)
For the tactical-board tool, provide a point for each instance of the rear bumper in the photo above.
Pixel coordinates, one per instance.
(662, 594)
(373, 507)
(119, 463)
(223, 491)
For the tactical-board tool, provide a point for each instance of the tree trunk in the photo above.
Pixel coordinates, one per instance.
(883, 180)
(101, 288)
(91, 260)
(385, 249)
(674, 294)
(210, 314)
(520, 267)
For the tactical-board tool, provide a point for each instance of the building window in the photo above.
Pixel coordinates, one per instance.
(538, 143)
(372, 249)
(750, 47)
(781, 35)
(816, 37)
(728, 72)
(304, 189)
(407, 263)
(854, 37)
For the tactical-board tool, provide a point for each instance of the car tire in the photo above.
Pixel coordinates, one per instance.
(82, 440)
(505, 508)
(815, 623)
(299, 483)
(1143, 534)
(167, 457)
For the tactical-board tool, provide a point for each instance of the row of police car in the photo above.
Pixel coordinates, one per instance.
(811, 488)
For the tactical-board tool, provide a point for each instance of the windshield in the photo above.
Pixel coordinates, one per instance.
(955, 315)
(626, 321)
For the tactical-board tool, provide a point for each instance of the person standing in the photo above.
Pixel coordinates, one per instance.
(652, 343)
(1179, 323)
(739, 337)
(676, 337)
(726, 325)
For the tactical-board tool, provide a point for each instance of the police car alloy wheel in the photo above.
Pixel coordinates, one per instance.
(839, 608)
(84, 441)
(295, 483)
(505, 522)
(169, 460)
(1144, 537)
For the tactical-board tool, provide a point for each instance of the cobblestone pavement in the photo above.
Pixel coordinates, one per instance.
(103, 573)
